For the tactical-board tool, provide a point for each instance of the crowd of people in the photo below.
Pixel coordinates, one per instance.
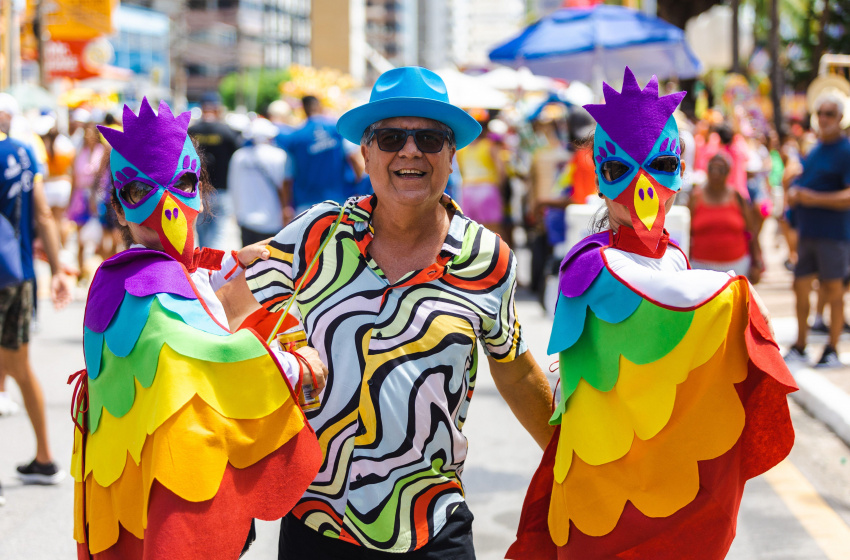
(392, 229)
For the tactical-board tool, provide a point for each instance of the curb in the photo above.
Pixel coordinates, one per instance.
(823, 400)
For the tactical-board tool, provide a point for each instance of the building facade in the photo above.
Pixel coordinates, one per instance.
(441, 33)
(226, 36)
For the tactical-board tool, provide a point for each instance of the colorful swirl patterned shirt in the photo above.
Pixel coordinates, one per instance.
(402, 360)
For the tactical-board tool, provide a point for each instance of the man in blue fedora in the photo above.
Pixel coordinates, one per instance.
(399, 299)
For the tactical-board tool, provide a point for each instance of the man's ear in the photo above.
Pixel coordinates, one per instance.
(364, 151)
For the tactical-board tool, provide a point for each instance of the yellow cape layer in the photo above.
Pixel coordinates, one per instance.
(187, 454)
(601, 426)
(245, 390)
(660, 475)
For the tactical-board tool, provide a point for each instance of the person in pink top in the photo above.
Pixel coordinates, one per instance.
(84, 182)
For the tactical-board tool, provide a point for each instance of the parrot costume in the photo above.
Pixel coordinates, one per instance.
(186, 431)
(673, 390)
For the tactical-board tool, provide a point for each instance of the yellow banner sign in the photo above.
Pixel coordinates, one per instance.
(79, 19)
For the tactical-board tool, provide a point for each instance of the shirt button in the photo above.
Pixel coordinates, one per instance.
(377, 335)
(358, 476)
(369, 382)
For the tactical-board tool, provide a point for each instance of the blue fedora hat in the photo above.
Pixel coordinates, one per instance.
(409, 91)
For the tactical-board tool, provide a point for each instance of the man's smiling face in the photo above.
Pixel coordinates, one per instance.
(409, 176)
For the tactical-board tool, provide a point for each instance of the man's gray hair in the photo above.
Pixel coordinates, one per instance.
(832, 99)
(369, 133)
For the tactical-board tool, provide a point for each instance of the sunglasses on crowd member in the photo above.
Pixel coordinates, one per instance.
(828, 114)
(135, 191)
(428, 140)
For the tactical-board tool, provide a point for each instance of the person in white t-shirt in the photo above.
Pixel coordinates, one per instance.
(255, 181)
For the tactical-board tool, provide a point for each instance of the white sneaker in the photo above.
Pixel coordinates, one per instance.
(8, 407)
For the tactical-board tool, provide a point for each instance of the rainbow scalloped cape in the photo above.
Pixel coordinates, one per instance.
(674, 395)
(192, 431)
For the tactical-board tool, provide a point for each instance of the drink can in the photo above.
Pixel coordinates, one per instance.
(291, 340)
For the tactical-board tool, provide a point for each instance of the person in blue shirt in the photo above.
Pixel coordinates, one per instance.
(24, 208)
(820, 196)
(318, 166)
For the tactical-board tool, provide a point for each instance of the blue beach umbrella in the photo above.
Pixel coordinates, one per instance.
(595, 44)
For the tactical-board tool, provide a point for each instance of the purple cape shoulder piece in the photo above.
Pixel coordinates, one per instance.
(141, 272)
(582, 264)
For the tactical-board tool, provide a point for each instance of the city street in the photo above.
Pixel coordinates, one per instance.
(798, 511)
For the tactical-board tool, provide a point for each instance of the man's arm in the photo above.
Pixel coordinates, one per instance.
(286, 201)
(61, 285)
(834, 200)
(525, 388)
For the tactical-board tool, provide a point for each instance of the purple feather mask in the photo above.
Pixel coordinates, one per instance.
(156, 171)
(637, 152)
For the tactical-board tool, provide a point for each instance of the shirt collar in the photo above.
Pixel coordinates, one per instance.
(360, 214)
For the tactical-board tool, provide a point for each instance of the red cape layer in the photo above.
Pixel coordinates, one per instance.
(217, 528)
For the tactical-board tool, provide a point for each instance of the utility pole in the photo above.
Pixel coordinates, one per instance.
(776, 82)
(736, 63)
(6, 44)
(38, 29)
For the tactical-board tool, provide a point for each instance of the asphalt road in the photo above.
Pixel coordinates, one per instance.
(798, 511)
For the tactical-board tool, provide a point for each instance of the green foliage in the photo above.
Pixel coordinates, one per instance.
(255, 89)
(800, 33)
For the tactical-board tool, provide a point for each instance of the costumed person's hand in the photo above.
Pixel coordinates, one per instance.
(61, 290)
(250, 253)
(762, 309)
(320, 370)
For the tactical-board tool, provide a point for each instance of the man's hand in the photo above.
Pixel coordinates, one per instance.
(319, 368)
(793, 196)
(830, 200)
(249, 254)
(526, 389)
(61, 290)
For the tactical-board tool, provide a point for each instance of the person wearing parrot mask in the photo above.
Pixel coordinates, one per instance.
(673, 391)
(204, 430)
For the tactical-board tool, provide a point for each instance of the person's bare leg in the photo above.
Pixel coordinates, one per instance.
(833, 291)
(81, 248)
(59, 218)
(821, 301)
(16, 363)
(802, 291)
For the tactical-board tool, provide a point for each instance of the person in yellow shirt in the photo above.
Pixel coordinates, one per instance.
(483, 173)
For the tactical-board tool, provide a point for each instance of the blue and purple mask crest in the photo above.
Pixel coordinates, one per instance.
(635, 118)
(637, 152)
(153, 143)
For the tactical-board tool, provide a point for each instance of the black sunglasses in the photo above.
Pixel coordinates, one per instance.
(428, 140)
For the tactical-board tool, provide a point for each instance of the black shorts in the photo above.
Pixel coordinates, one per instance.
(829, 259)
(453, 542)
(16, 304)
(250, 236)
